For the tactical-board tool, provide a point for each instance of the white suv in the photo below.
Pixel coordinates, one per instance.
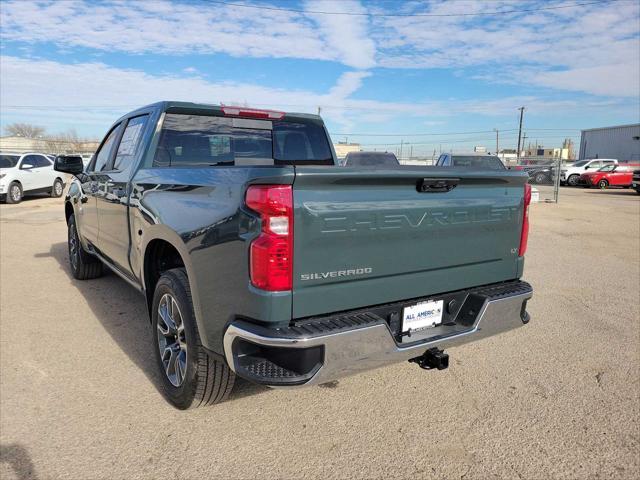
(26, 173)
(570, 174)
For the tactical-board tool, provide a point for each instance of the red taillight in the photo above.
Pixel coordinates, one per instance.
(271, 254)
(252, 113)
(524, 237)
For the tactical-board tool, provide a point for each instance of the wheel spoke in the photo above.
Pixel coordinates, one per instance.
(171, 340)
(181, 365)
(167, 326)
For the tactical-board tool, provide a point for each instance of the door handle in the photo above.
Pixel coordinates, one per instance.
(437, 185)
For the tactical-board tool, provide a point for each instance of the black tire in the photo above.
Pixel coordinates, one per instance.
(602, 184)
(572, 181)
(57, 189)
(540, 178)
(205, 380)
(84, 266)
(14, 193)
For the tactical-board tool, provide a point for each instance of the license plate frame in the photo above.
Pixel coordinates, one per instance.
(422, 315)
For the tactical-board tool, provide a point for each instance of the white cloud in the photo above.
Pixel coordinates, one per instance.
(593, 49)
(561, 49)
(90, 91)
(90, 96)
(348, 36)
(163, 27)
(174, 28)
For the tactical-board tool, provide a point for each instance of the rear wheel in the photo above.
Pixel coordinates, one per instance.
(603, 184)
(14, 194)
(573, 180)
(84, 266)
(191, 376)
(57, 189)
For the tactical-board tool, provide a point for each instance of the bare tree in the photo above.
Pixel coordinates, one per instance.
(24, 130)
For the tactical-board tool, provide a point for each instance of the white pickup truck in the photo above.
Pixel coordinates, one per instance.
(570, 174)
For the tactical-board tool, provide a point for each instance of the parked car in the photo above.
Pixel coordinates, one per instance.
(620, 175)
(471, 160)
(539, 174)
(288, 270)
(636, 181)
(570, 174)
(370, 159)
(28, 173)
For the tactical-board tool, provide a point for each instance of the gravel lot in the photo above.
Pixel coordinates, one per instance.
(558, 398)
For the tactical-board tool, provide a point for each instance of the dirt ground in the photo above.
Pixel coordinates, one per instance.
(558, 398)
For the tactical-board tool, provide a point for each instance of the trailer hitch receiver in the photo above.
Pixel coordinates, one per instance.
(432, 358)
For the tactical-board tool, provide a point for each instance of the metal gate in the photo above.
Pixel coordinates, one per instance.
(544, 177)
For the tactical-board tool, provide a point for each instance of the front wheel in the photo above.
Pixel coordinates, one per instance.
(191, 376)
(57, 189)
(603, 184)
(573, 180)
(84, 266)
(14, 194)
(540, 178)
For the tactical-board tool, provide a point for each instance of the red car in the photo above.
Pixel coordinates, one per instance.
(609, 176)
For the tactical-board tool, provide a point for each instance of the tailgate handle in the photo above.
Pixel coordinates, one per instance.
(437, 185)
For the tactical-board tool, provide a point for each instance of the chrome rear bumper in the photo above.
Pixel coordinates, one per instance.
(347, 351)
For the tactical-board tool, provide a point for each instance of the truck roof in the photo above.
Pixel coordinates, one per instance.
(203, 107)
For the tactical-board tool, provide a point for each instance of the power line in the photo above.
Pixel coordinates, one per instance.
(368, 14)
(414, 134)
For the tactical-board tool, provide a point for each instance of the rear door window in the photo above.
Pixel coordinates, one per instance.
(207, 140)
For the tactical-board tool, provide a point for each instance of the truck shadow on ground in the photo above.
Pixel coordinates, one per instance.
(122, 311)
(18, 458)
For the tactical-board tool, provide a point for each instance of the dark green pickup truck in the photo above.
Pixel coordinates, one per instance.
(259, 257)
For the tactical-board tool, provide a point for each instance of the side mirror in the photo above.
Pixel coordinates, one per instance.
(69, 164)
(26, 166)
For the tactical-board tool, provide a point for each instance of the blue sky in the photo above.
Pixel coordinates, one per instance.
(427, 73)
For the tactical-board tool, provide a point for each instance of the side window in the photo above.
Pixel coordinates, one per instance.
(595, 165)
(103, 155)
(131, 139)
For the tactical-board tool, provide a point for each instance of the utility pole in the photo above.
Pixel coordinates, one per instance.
(497, 142)
(520, 130)
(319, 110)
(401, 141)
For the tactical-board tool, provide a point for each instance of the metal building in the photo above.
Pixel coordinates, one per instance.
(621, 142)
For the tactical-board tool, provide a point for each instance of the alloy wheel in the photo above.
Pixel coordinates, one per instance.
(73, 246)
(15, 193)
(171, 340)
(58, 188)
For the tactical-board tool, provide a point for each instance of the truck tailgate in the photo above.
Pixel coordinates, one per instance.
(366, 237)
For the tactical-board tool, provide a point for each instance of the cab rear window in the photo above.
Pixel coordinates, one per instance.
(207, 140)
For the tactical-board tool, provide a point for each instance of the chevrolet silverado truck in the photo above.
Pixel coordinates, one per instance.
(259, 257)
